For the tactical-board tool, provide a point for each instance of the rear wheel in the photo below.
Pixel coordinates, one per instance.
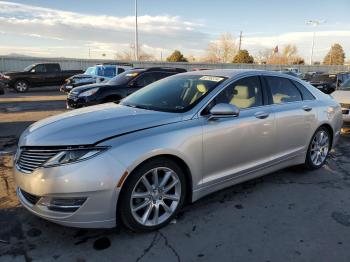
(319, 148)
(21, 86)
(153, 195)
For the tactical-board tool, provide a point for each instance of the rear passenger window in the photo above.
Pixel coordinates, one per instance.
(283, 91)
(306, 93)
(244, 93)
(120, 70)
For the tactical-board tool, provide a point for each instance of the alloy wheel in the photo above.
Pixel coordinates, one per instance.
(21, 86)
(155, 196)
(319, 147)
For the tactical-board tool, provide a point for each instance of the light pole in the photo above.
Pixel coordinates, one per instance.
(314, 23)
(136, 35)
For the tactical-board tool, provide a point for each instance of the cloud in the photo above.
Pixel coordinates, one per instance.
(303, 41)
(156, 31)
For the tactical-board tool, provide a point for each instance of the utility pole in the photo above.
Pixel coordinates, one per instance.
(136, 35)
(89, 53)
(314, 23)
(240, 41)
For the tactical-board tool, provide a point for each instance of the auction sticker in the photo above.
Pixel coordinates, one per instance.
(211, 78)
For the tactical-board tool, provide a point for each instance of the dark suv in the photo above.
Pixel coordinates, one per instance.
(118, 87)
(328, 83)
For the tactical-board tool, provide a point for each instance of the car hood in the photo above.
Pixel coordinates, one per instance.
(83, 88)
(14, 73)
(90, 125)
(342, 96)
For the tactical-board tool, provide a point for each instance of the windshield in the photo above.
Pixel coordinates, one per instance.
(123, 78)
(106, 71)
(176, 94)
(90, 71)
(346, 85)
(28, 68)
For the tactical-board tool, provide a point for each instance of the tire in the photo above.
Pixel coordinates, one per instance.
(21, 86)
(138, 212)
(318, 151)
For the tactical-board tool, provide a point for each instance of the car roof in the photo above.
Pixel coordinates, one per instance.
(230, 73)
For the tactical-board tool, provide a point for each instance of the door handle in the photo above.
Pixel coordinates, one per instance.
(261, 115)
(307, 108)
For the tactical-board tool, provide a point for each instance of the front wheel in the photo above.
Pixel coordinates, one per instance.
(319, 148)
(153, 195)
(21, 86)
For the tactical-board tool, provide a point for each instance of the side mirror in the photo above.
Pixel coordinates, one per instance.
(223, 110)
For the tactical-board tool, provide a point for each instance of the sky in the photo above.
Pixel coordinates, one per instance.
(90, 28)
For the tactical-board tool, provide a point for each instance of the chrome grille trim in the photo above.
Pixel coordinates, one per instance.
(31, 159)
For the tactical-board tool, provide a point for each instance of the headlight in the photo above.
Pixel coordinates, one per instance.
(73, 155)
(88, 92)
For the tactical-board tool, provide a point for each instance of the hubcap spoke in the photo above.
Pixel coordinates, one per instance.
(171, 197)
(155, 178)
(165, 179)
(166, 208)
(144, 204)
(140, 195)
(156, 214)
(172, 184)
(147, 184)
(147, 213)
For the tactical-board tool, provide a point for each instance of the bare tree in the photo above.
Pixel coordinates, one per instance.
(289, 55)
(222, 50)
(128, 54)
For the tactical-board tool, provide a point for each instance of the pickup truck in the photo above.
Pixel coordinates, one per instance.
(36, 75)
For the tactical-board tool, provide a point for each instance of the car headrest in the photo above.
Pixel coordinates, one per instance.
(242, 92)
(201, 88)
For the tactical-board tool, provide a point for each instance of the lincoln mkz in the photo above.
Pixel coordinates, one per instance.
(174, 141)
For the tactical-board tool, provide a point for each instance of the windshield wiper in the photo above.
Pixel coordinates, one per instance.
(137, 106)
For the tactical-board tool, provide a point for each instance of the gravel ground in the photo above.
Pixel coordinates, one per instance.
(290, 215)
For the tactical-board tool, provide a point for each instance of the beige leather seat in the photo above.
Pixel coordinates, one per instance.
(241, 98)
(201, 90)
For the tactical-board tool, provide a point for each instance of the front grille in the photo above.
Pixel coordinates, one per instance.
(31, 159)
(29, 197)
(347, 106)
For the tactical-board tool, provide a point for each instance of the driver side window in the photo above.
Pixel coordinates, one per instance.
(244, 93)
(144, 80)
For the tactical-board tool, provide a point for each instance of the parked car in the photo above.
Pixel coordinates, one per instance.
(291, 73)
(294, 70)
(173, 141)
(327, 83)
(309, 75)
(94, 74)
(342, 96)
(36, 75)
(118, 87)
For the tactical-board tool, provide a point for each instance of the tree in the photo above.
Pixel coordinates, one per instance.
(289, 55)
(335, 56)
(243, 57)
(176, 56)
(129, 54)
(222, 50)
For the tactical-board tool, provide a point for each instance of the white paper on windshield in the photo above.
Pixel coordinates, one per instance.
(211, 78)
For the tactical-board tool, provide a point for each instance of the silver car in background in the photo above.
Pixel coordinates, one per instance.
(171, 142)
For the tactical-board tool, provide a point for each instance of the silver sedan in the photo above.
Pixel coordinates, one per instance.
(172, 142)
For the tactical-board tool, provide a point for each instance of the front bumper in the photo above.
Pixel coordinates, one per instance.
(94, 180)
